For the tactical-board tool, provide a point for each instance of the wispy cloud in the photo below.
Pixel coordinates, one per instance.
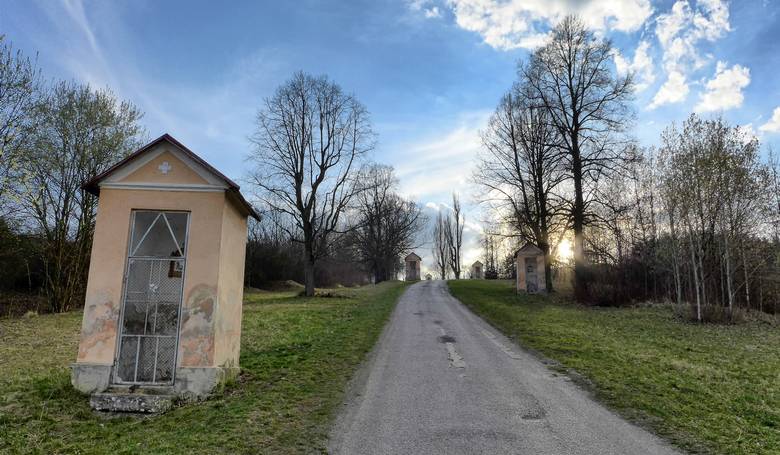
(512, 24)
(432, 167)
(75, 9)
(215, 120)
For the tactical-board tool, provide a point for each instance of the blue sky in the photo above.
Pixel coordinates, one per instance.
(429, 71)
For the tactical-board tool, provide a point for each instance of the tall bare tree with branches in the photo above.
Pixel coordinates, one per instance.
(441, 252)
(572, 78)
(388, 225)
(453, 233)
(309, 140)
(521, 169)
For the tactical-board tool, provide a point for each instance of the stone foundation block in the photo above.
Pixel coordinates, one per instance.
(138, 402)
(200, 382)
(90, 377)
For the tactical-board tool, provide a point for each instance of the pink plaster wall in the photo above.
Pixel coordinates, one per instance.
(197, 344)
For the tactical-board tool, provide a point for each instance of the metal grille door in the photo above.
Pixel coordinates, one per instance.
(151, 307)
(530, 275)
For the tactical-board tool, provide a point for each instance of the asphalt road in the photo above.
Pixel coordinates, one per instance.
(442, 381)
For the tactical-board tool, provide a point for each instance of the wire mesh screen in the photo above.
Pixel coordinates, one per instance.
(153, 292)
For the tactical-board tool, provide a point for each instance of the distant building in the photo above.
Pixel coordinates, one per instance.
(412, 262)
(477, 271)
(530, 269)
(428, 276)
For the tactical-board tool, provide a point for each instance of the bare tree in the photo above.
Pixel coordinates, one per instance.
(774, 184)
(521, 169)
(440, 249)
(643, 221)
(453, 233)
(388, 226)
(20, 90)
(80, 132)
(489, 241)
(309, 140)
(718, 189)
(571, 77)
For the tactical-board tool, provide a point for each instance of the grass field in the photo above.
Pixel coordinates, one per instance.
(712, 389)
(297, 355)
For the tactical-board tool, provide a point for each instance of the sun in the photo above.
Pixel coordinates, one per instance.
(565, 251)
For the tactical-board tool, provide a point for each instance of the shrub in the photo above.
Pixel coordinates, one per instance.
(714, 314)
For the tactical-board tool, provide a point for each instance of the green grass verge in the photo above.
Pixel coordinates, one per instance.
(297, 355)
(708, 388)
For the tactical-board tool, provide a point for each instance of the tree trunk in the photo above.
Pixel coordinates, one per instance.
(548, 282)
(675, 259)
(381, 273)
(729, 284)
(701, 271)
(544, 244)
(696, 281)
(308, 271)
(747, 278)
(578, 223)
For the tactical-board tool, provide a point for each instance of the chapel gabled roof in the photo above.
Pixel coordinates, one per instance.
(412, 257)
(93, 185)
(529, 249)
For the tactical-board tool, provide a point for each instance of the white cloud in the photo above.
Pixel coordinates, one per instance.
(431, 13)
(773, 125)
(674, 90)
(679, 33)
(470, 226)
(684, 27)
(724, 90)
(511, 24)
(641, 66)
